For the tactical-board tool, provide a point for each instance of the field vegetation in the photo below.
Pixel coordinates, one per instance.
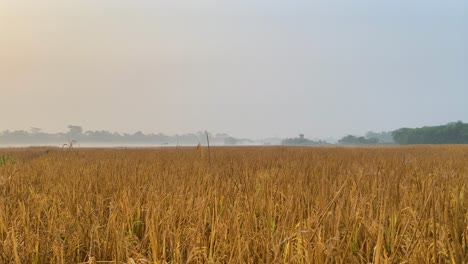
(244, 205)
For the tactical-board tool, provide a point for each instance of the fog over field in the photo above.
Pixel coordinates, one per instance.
(252, 69)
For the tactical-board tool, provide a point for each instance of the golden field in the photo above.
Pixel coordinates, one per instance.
(248, 205)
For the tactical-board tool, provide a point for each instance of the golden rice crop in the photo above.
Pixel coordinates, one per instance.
(251, 205)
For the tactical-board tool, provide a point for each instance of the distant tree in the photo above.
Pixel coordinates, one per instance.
(231, 141)
(36, 130)
(354, 140)
(383, 137)
(98, 136)
(222, 135)
(301, 140)
(75, 131)
(402, 135)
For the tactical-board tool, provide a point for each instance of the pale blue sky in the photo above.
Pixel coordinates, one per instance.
(248, 68)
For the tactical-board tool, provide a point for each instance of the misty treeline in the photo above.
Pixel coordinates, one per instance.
(451, 133)
(301, 140)
(37, 136)
(371, 138)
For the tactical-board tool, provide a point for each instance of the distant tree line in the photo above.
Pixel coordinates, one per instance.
(451, 133)
(237, 141)
(37, 136)
(382, 137)
(302, 141)
(371, 138)
(354, 140)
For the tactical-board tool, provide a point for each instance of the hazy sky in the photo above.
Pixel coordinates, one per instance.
(248, 68)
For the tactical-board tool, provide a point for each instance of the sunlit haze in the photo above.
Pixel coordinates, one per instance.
(248, 68)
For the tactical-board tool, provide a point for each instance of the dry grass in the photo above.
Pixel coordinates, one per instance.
(254, 205)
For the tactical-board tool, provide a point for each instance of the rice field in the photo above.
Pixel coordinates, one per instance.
(238, 205)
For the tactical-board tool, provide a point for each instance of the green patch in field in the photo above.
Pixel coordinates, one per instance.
(4, 160)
